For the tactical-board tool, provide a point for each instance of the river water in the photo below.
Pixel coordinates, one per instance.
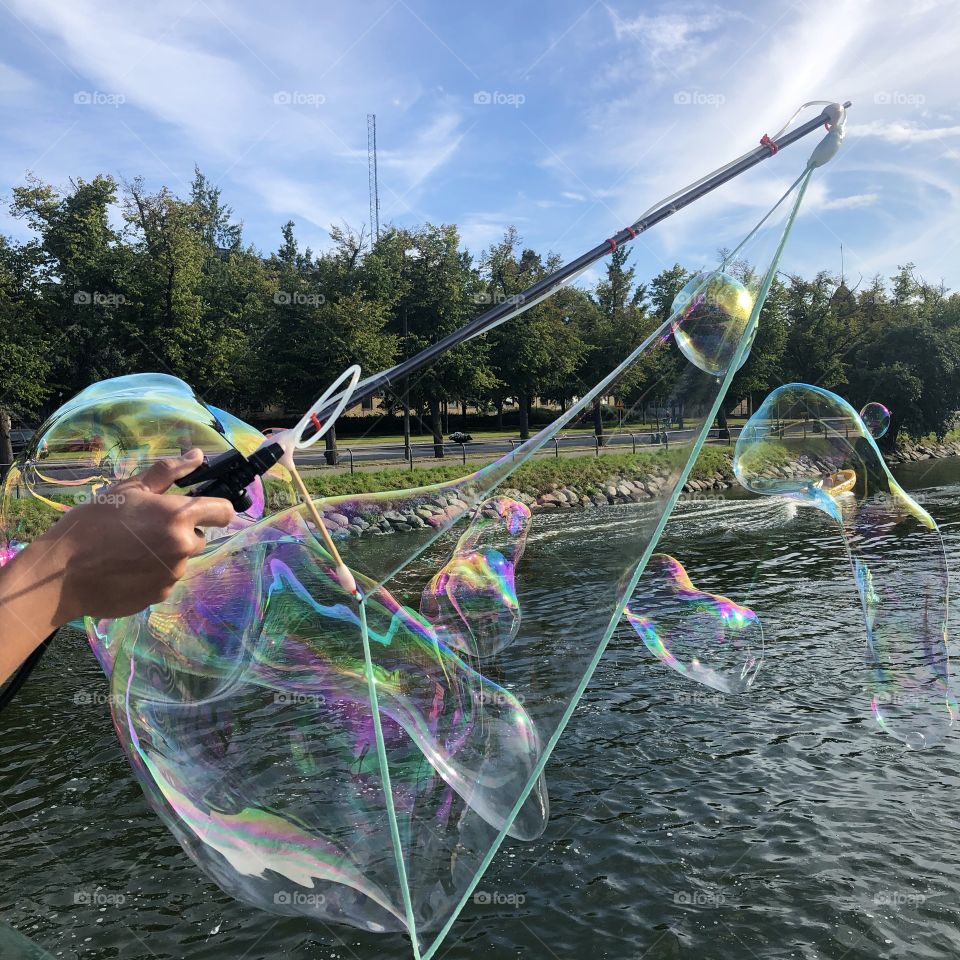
(778, 823)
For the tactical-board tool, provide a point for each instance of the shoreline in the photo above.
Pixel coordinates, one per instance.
(639, 485)
(547, 486)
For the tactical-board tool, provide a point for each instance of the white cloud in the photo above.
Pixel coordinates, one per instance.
(851, 202)
(599, 138)
(674, 42)
(430, 148)
(902, 131)
(13, 82)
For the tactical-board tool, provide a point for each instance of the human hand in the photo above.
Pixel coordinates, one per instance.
(125, 550)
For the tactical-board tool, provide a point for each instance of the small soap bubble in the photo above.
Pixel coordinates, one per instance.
(876, 418)
(710, 314)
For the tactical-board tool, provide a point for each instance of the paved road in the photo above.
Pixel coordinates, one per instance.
(391, 454)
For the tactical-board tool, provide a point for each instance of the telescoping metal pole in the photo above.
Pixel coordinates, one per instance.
(500, 313)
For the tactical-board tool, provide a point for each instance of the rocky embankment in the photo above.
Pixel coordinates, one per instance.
(618, 489)
(435, 510)
(915, 451)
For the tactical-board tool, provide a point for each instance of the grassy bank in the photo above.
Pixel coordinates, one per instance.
(535, 477)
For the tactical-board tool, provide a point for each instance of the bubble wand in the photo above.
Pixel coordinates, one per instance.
(230, 475)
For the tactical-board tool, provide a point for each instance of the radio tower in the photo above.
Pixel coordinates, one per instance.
(372, 176)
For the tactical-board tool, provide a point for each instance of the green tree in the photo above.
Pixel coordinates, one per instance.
(612, 330)
(25, 355)
(439, 294)
(322, 322)
(541, 347)
(763, 370)
(81, 271)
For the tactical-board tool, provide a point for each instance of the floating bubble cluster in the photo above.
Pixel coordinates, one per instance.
(703, 637)
(710, 313)
(876, 418)
(895, 547)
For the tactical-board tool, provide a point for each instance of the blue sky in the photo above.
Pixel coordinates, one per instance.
(595, 111)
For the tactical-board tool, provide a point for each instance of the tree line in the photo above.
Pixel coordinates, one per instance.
(170, 285)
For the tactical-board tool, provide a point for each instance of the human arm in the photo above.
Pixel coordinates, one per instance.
(110, 557)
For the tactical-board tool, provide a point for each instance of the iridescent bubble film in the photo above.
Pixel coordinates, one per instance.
(243, 705)
(895, 547)
(472, 602)
(876, 417)
(116, 428)
(9, 550)
(702, 636)
(711, 312)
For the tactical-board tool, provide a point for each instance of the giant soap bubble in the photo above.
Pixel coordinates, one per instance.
(115, 428)
(244, 701)
(360, 758)
(895, 547)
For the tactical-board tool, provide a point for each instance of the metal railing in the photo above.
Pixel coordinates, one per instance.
(423, 452)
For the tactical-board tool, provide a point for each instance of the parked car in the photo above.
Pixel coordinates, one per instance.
(460, 437)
